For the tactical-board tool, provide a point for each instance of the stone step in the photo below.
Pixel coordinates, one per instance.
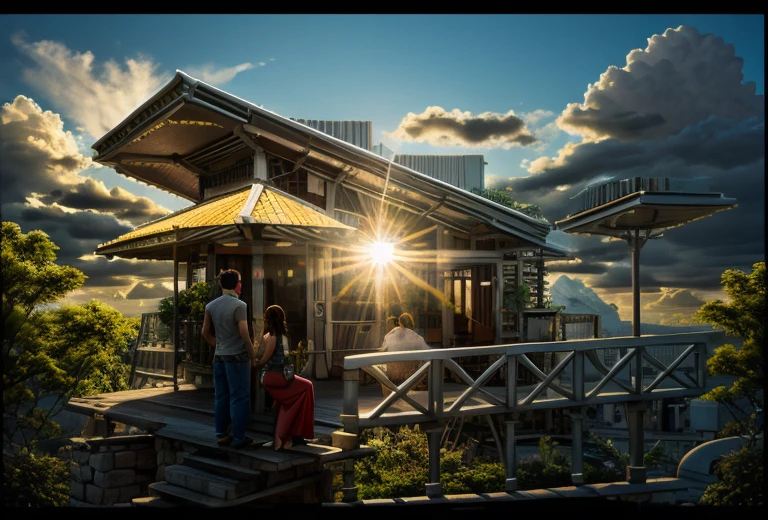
(181, 496)
(152, 502)
(210, 484)
(221, 467)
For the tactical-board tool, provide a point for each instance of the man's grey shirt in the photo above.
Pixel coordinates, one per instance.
(226, 311)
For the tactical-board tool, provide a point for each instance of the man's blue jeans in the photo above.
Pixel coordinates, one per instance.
(232, 396)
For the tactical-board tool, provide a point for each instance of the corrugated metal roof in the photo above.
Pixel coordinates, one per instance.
(271, 208)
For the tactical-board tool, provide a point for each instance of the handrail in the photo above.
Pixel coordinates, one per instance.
(579, 378)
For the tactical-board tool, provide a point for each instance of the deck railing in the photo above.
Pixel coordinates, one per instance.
(651, 368)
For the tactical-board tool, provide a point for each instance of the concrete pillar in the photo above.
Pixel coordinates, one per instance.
(636, 468)
(577, 447)
(510, 484)
(434, 487)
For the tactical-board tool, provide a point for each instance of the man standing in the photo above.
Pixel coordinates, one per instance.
(225, 327)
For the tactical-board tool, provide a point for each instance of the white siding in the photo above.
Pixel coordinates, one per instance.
(358, 133)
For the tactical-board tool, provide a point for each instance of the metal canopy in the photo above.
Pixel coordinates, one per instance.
(656, 211)
(648, 212)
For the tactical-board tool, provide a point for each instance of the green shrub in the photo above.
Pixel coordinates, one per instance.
(35, 480)
(740, 479)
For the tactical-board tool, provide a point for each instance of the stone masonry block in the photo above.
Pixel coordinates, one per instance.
(344, 440)
(217, 490)
(147, 458)
(115, 478)
(111, 496)
(102, 461)
(81, 457)
(170, 457)
(94, 494)
(129, 492)
(74, 470)
(77, 490)
(145, 476)
(125, 459)
(86, 474)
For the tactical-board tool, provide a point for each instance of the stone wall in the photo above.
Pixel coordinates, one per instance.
(113, 470)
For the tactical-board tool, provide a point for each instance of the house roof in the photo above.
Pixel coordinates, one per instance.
(188, 129)
(254, 205)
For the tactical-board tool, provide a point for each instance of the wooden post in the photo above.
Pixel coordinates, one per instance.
(510, 484)
(577, 447)
(175, 312)
(434, 487)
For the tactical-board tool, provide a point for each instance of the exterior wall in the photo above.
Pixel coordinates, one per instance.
(358, 133)
(463, 171)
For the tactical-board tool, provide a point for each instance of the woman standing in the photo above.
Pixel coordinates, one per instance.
(295, 397)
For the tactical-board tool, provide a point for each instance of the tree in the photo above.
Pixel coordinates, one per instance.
(51, 353)
(502, 197)
(744, 316)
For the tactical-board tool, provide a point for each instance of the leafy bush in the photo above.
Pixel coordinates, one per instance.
(191, 303)
(34, 480)
(740, 480)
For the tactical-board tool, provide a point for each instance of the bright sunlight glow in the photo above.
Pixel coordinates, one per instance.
(382, 252)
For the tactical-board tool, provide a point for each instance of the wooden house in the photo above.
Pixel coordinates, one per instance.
(304, 216)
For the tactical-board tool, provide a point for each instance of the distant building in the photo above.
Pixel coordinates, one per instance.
(358, 133)
(463, 171)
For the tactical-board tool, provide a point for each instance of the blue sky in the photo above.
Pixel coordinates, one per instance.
(90, 71)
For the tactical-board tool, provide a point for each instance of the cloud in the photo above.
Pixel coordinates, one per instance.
(215, 75)
(42, 169)
(675, 300)
(96, 99)
(148, 290)
(437, 127)
(720, 143)
(680, 79)
(45, 188)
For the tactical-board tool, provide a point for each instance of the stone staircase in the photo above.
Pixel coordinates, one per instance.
(224, 477)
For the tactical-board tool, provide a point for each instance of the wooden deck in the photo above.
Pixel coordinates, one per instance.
(190, 409)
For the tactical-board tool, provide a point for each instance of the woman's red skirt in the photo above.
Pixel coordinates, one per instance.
(296, 405)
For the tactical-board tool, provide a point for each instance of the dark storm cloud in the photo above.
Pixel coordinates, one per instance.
(44, 187)
(93, 195)
(681, 78)
(40, 160)
(675, 299)
(118, 272)
(713, 130)
(437, 127)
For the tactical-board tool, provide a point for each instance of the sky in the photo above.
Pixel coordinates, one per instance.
(552, 102)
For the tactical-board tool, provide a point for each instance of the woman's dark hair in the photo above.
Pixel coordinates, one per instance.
(274, 321)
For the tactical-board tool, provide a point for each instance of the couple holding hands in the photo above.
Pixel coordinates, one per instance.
(225, 327)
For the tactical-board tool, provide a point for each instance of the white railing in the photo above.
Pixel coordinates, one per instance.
(672, 365)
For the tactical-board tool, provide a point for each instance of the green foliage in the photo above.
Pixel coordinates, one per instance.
(745, 317)
(400, 467)
(653, 457)
(740, 480)
(72, 350)
(740, 474)
(192, 303)
(502, 197)
(551, 469)
(30, 275)
(33, 480)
